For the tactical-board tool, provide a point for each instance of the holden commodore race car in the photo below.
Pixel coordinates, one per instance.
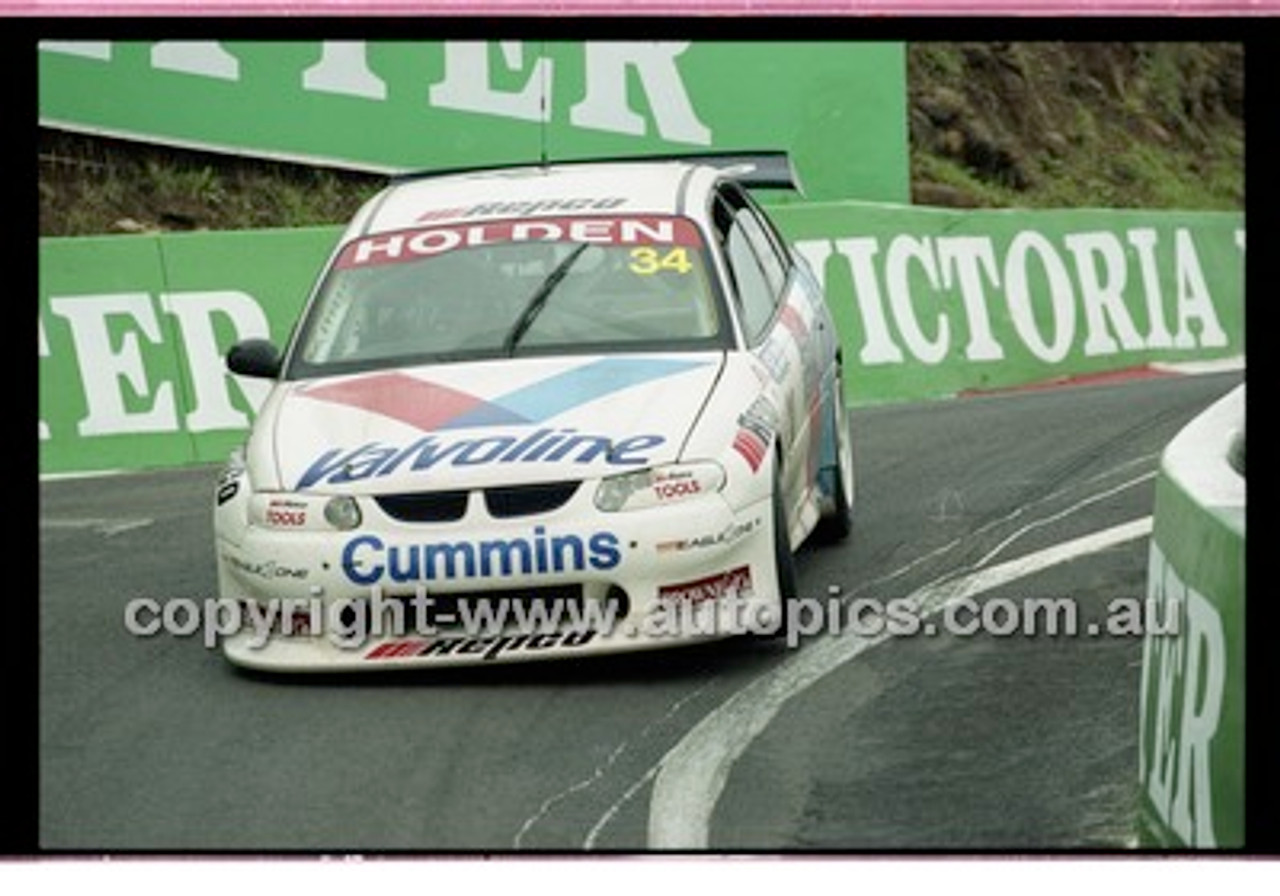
(538, 411)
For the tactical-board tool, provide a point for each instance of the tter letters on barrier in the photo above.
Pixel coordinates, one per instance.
(839, 108)
(1191, 742)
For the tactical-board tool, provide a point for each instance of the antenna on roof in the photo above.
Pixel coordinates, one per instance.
(543, 110)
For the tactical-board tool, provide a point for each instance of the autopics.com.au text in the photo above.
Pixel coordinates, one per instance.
(351, 623)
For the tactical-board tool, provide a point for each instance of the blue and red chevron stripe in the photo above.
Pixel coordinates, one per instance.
(431, 406)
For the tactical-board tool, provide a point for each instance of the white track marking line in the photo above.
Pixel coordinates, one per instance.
(1196, 368)
(1017, 512)
(599, 826)
(653, 769)
(693, 773)
(86, 474)
(1009, 517)
(898, 573)
(1137, 461)
(599, 772)
(986, 527)
(105, 526)
(1044, 521)
(552, 801)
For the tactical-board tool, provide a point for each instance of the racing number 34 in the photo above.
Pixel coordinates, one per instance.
(646, 260)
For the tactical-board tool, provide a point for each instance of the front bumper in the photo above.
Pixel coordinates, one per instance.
(690, 571)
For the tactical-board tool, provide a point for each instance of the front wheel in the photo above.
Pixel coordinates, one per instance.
(837, 477)
(784, 562)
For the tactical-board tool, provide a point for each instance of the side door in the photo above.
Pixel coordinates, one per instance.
(782, 328)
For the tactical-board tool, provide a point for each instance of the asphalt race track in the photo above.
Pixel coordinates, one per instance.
(950, 740)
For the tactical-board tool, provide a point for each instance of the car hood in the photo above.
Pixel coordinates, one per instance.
(479, 424)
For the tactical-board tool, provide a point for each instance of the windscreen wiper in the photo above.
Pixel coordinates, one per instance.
(538, 300)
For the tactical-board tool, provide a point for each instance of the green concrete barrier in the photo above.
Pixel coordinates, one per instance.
(934, 302)
(930, 303)
(1191, 742)
(132, 336)
(838, 107)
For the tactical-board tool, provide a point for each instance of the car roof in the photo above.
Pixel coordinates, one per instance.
(672, 185)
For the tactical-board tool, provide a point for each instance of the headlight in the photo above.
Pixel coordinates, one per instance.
(342, 512)
(660, 485)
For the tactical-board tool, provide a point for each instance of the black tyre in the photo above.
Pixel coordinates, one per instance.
(784, 560)
(837, 519)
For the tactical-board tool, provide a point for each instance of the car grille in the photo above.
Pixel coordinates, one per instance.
(505, 502)
(528, 500)
(561, 603)
(424, 507)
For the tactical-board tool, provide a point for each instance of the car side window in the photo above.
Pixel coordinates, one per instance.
(756, 295)
(772, 258)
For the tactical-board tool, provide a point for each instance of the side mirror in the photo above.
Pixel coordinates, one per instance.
(254, 357)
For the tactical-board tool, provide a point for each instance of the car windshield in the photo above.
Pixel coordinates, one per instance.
(504, 288)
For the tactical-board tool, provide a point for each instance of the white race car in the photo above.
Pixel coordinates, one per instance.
(536, 412)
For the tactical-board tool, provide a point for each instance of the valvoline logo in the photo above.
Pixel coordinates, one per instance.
(433, 408)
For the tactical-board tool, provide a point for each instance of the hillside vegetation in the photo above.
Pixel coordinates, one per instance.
(1045, 124)
(1077, 124)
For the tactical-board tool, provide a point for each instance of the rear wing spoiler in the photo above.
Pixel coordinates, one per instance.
(767, 169)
